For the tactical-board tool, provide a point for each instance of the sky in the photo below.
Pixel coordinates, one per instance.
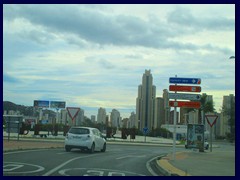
(93, 56)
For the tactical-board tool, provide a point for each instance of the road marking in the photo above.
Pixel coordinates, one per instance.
(97, 172)
(12, 167)
(63, 164)
(19, 165)
(15, 152)
(63, 153)
(122, 157)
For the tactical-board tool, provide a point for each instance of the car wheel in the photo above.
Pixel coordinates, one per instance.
(92, 148)
(104, 148)
(67, 148)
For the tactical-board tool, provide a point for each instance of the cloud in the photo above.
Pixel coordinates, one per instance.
(184, 17)
(124, 30)
(10, 79)
(95, 56)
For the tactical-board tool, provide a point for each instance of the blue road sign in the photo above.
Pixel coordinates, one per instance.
(177, 80)
(145, 130)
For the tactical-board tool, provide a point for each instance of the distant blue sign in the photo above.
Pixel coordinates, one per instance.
(177, 80)
(145, 130)
(41, 104)
(44, 121)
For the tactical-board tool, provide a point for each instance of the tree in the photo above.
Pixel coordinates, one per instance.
(230, 112)
(206, 106)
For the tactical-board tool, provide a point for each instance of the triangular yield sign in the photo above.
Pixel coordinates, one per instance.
(211, 119)
(73, 111)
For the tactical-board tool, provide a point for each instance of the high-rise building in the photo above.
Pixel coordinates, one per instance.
(159, 113)
(93, 118)
(132, 121)
(101, 116)
(225, 115)
(166, 106)
(79, 118)
(115, 118)
(145, 101)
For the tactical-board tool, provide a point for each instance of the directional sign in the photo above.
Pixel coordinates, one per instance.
(41, 104)
(177, 80)
(184, 96)
(145, 130)
(73, 111)
(57, 104)
(185, 104)
(211, 119)
(185, 88)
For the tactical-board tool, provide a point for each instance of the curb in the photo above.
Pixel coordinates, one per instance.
(168, 169)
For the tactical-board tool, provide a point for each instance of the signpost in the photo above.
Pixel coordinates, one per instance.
(194, 97)
(41, 104)
(177, 80)
(145, 131)
(185, 104)
(73, 111)
(57, 104)
(211, 119)
(185, 88)
(14, 123)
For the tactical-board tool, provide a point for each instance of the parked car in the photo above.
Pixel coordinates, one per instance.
(206, 145)
(85, 138)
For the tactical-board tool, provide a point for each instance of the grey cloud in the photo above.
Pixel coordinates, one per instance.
(184, 17)
(97, 27)
(10, 79)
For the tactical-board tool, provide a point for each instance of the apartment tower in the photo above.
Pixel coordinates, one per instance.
(145, 102)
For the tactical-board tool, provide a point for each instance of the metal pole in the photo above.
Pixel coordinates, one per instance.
(8, 129)
(211, 139)
(174, 129)
(18, 129)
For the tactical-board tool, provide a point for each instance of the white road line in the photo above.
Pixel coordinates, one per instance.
(16, 152)
(63, 164)
(122, 157)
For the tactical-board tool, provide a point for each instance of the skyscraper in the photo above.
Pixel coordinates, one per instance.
(145, 101)
(101, 116)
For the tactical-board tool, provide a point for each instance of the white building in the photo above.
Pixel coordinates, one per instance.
(101, 116)
(115, 118)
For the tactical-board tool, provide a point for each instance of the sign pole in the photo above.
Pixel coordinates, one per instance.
(211, 139)
(174, 129)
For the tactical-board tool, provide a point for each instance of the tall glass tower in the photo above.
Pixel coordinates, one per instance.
(145, 102)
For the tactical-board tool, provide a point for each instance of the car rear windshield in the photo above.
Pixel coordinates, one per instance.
(79, 131)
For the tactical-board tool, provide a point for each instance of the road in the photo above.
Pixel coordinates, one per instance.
(118, 160)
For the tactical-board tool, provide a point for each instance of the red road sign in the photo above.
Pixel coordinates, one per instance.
(73, 111)
(185, 88)
(211, 119)
(186, 104)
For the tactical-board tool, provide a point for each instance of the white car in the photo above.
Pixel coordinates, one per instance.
(206, 145)
(85, 138)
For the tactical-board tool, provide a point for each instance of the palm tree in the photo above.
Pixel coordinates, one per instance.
(206, 106)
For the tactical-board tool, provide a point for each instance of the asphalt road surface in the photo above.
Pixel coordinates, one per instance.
(118, 160)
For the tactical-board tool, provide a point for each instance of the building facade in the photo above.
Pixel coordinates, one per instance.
(159, 113)
(145, 102)
(115, 118)
(101, 116)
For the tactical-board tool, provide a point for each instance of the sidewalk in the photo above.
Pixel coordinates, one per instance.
(195, 163)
